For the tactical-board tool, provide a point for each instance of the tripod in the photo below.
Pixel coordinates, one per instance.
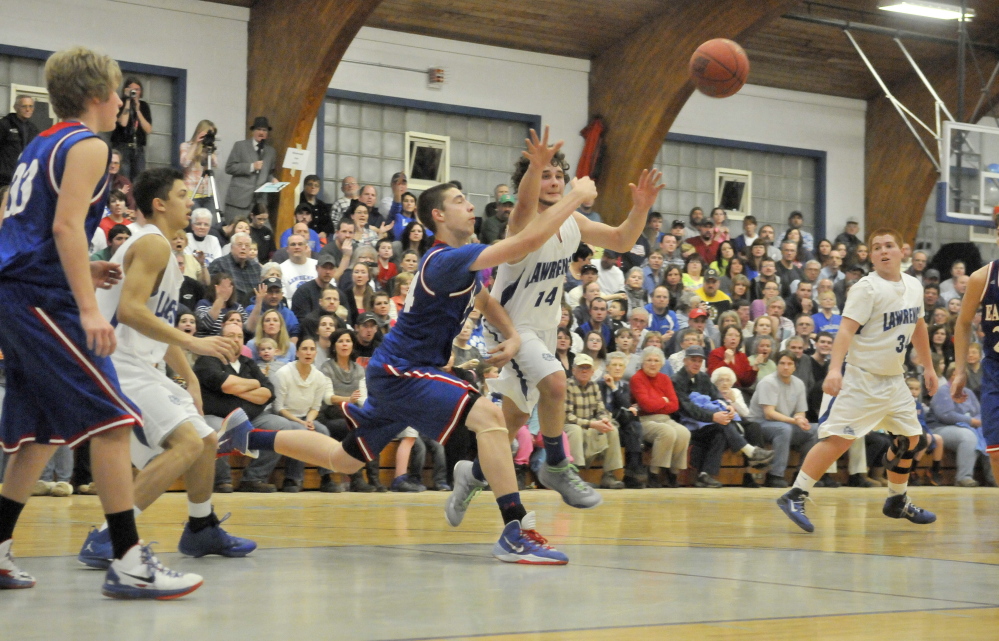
(208, 177)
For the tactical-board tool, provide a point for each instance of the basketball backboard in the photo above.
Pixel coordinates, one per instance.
(968, 191)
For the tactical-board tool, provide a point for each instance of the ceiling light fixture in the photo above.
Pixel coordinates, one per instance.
(926, 9)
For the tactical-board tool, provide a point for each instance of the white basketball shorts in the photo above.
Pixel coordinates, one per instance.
(164, 405)
(866, 402)
(519, 378)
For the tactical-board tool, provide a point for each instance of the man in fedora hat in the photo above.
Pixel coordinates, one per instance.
(251, 164)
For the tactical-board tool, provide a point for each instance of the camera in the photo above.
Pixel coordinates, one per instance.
(209, 139)
(133, 93)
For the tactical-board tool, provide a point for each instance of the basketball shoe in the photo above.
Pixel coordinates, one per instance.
(234, 437)
(900, 507)
(521, 543)
(213, 540)
(97, 551)
(564, 479)
(140, 575)
(11, 576)
(466, 486)
(793, 504)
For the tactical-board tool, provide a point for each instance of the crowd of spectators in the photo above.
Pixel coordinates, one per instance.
(708, 336)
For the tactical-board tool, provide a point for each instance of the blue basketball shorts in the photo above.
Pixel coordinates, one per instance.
(430, 400)
(990, 404)
(58, 391)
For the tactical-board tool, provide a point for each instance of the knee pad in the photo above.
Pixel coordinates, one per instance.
(903, 455)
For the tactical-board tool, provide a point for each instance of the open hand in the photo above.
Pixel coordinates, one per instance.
(105, 274)
(644, 195)
(225, 348)
(538, 151)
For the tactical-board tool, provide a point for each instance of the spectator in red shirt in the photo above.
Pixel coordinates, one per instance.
(387, 270)
(730, 355)
(116, 213)
(653, 392)
(706, 244)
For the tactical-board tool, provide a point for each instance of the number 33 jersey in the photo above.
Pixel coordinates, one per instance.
(531, 290)
(27, 247)
(887, 312)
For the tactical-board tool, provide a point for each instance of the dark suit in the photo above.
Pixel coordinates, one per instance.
(240, 196)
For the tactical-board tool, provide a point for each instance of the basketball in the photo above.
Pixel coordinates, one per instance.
(719, 68)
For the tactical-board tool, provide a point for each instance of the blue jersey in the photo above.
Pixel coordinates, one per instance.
(27, 247)
(990, 312)
(439, 300)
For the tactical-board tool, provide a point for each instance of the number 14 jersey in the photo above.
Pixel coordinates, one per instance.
(887, 312)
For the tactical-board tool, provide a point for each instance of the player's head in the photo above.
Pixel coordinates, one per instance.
(445, 206)
(552, 178)
(160, 194)
(885, 250)
(80, 80)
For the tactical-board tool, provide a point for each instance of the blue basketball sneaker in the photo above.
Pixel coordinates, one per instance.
(234, 437)
(521, 543)
(97, 551)
(140, 575)
(213, 540)
(11, 576)
(793, 504)
(900, 507)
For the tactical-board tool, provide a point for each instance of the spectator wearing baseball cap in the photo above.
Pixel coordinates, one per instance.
(609, 275)
(306, 298)
(587, 274)
(494, 228)
(697, 319)
(849, 235)
(712, 295)
(369, 337)
(707, 434)
(270, 295)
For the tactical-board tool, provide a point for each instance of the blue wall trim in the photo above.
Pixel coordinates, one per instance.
(532, 120)
(817, 154)
(179, 95)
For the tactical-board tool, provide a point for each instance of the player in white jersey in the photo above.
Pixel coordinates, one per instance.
(531, 290)
(175, 440)
(882, 315)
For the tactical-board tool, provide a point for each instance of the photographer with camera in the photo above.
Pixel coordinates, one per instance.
(135, 123)
(197, 155)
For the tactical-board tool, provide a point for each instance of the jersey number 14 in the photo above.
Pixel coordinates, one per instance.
(549, 299)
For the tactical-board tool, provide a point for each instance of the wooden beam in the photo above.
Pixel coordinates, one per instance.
(639, 85)
(899, 177)
(294, 48)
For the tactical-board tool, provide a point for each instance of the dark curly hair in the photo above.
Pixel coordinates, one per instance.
(520, 168)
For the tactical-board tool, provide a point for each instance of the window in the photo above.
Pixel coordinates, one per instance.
(428, 159)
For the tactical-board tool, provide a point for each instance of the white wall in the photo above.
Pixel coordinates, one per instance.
(208, 40)
(555, 87)
(792, 119)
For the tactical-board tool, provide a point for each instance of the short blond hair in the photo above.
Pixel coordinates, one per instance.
(76, 75)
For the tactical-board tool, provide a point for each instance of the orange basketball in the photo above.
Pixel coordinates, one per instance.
(719, 68)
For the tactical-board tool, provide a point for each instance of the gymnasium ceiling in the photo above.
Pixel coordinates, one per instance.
(788, 53)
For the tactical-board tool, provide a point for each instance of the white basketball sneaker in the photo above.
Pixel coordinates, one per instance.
(11, 576)
(140, 575)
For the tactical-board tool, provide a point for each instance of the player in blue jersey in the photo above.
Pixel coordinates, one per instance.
(61, 386)
(982, 293)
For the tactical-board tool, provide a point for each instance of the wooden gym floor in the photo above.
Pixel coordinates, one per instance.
(647, 564)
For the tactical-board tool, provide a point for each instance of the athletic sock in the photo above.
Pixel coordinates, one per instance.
(510, 507)
(124, 534)
(935, 469)
(199, 510)
(748, 449)
(554, 449)
(894, 489)
(804, 482)
(262, 440)
(10, 511)
(477, 471)
(136, 511)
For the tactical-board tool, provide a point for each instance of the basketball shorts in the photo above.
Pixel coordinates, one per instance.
(58, 391)
(430, 400)
(519, 378)
(164, 404)
(990, 404)
(866, 402)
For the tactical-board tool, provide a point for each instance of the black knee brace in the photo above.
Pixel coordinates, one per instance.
(902, 463)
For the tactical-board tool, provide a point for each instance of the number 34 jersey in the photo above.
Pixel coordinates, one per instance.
(27, 247)
(887, 312)
(531, 290)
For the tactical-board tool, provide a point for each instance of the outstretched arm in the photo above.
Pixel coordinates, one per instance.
(962, 331)
(540, 155)
(623, 237)
(532, 237)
